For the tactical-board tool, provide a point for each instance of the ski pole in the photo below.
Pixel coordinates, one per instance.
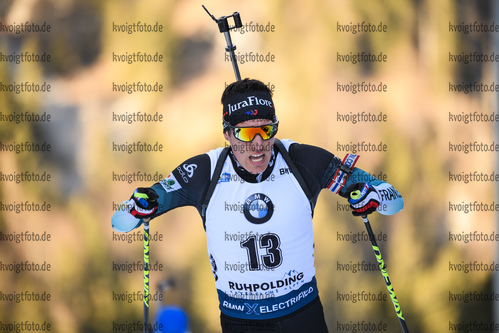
(382, 266)
(146, 275)
(223, 26)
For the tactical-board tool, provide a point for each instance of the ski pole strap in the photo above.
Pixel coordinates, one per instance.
(342, 173)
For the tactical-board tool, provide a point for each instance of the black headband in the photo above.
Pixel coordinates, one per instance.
(247, 106)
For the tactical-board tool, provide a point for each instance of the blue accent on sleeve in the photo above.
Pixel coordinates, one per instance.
(360, 176)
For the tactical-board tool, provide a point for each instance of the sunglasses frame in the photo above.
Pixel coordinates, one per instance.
(233, 128)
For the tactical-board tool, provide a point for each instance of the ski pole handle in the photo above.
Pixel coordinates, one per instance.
(355, 194)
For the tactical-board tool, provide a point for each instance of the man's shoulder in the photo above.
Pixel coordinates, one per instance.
(215, 153)
(287, 143)
(300, 151)
(207, 159)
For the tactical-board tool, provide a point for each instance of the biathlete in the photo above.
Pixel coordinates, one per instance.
(258, 212)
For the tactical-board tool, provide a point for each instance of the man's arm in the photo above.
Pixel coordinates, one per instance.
(184, 186)
(318, 167)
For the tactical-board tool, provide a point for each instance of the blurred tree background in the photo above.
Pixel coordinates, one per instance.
(83, 250)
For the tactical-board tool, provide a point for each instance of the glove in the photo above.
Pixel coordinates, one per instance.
(363, 198)
(143, 202)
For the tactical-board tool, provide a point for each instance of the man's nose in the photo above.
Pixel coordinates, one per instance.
(258, 142)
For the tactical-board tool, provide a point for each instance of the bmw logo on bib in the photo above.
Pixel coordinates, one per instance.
(258, 208)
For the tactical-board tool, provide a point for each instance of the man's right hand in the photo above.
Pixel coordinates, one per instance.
(144, 202)
(366, 201)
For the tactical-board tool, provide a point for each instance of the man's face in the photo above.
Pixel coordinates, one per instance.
(254, 156)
